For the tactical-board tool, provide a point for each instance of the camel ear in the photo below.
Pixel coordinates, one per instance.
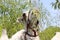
(20, 19)
(24, 14)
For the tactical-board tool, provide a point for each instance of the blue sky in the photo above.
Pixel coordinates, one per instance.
(48, 5)
(55, 14)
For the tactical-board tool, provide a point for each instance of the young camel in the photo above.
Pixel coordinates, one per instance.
(30, 32)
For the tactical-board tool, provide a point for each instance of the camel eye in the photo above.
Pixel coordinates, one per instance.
(37, 22)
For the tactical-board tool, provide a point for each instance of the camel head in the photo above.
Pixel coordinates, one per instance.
(30, 19)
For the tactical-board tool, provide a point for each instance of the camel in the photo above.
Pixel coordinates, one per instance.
(31, 27)
(31, 30)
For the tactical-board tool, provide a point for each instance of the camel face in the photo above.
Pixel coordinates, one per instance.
(30, 21)
(30, 17)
